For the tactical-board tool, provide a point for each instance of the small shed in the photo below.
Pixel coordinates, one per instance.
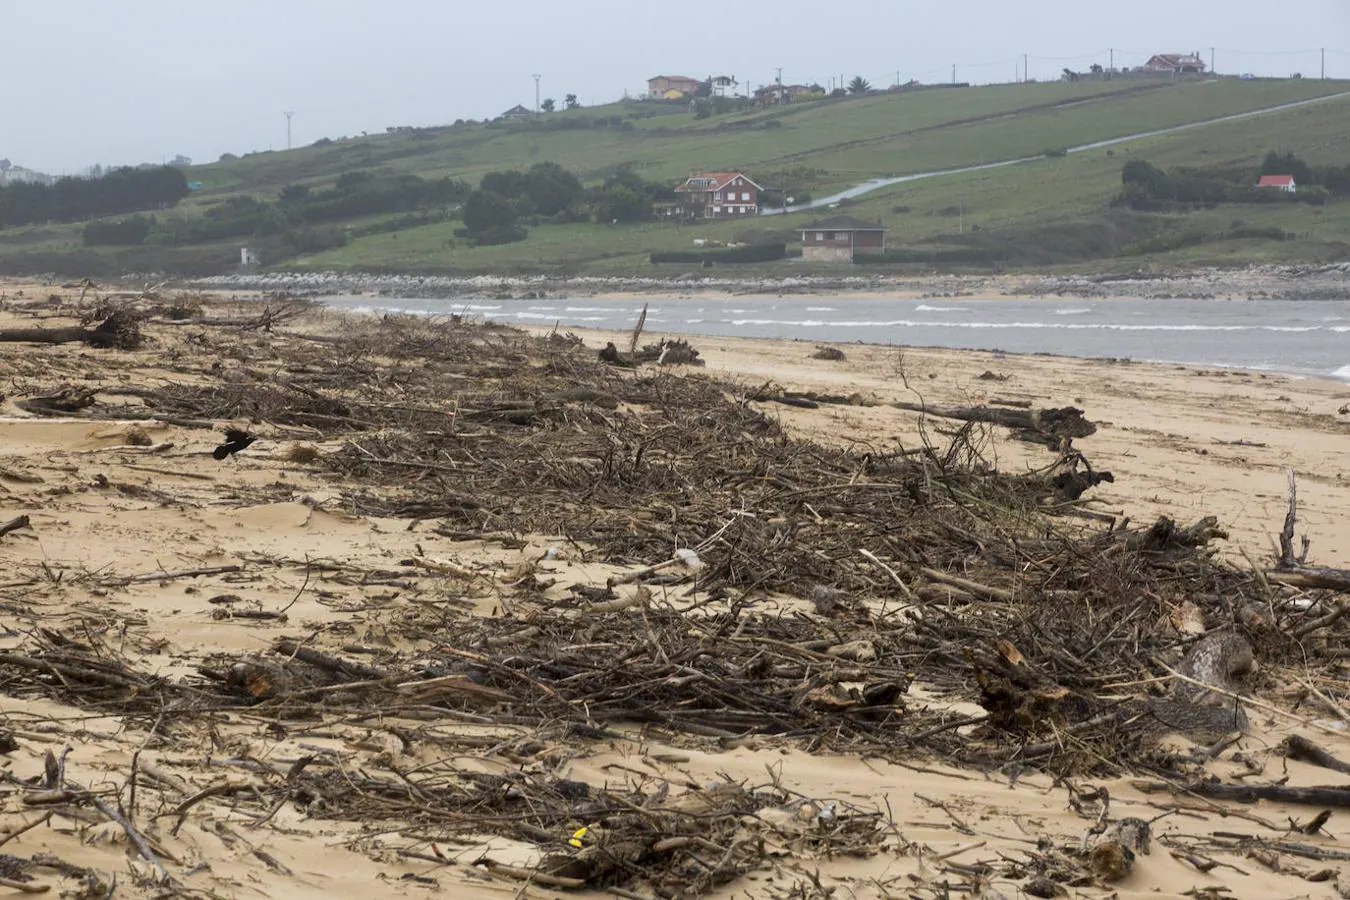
(1279, 182)
(837, 239)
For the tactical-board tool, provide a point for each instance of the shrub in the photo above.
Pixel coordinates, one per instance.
(130, 232)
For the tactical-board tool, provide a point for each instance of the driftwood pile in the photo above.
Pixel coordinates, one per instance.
(887, 566)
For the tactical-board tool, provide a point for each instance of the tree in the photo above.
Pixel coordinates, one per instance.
(551, 188)
(570, 101)
(294, 193)
(548, 105)
(5, 165)
(620, 203)
(859, 85)
(485, 211)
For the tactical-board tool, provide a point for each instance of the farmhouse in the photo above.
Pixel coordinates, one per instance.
(1279, 182)
(660, 87)
(1176, 64)
(724, 85)
(838, 238)
(516, 112)
(717, 195)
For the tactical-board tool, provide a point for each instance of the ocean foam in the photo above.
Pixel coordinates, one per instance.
(1342, 373)
(548, 318)
(923, 307)
(1063, 326)
(1075, 311)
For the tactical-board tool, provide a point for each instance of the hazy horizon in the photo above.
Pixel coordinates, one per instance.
(146, 80)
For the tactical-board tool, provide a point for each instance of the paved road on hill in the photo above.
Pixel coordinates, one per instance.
(877, 184)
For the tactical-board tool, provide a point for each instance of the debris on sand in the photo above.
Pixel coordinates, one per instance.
(740, 584)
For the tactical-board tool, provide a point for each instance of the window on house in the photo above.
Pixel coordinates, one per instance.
(717, 209)
(829, 235)
(820, 235)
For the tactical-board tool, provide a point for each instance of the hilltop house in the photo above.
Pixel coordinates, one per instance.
(1279, 182)
(717, 195)
(660, 87)
(1176, 64)
(724, 85)
(516, 112)
(838, 238)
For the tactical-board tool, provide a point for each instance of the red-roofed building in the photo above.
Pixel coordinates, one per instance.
(660, 87)
(1279, 182)
(1176, 64)
(717, 195)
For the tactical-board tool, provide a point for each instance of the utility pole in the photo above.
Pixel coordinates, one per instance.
(1211, 61)
(1026, 70)
(288, 113)
(1111, 69)
(536, 91)
(778, 80)
(1324, 63)
(953, 73)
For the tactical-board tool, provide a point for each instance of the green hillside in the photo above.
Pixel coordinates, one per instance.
(1054, 202)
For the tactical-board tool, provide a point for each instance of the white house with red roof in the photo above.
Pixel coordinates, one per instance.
(717, 195)
(1279, 182)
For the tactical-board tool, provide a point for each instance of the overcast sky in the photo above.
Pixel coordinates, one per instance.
(128, 81)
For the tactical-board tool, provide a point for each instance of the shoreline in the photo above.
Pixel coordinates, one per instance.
(1253, 283)
(1330, 382)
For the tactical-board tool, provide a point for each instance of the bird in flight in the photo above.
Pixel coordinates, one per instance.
(235, 440)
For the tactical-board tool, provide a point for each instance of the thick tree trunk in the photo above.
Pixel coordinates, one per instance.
(120, 330)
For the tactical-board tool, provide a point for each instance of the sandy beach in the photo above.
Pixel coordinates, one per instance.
(175, 578)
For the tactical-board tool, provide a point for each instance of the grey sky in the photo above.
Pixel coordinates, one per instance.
(127, 81)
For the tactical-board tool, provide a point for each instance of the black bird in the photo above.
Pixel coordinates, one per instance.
(235, 440)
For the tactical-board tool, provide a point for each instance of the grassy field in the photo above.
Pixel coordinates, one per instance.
(851, 140)
(1029, 198)
(1061, 201)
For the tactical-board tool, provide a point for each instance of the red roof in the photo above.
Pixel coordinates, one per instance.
(712, 181)
(1276, 181)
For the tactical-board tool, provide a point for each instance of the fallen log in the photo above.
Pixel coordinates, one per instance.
(1064, 422)
(1165, 534)
(64, 402)
(1323, 795)
(120, 331)
(1300, 748)
(14, 525)
(1312, 577)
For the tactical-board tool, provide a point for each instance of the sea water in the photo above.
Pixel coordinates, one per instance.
(1305, 337)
